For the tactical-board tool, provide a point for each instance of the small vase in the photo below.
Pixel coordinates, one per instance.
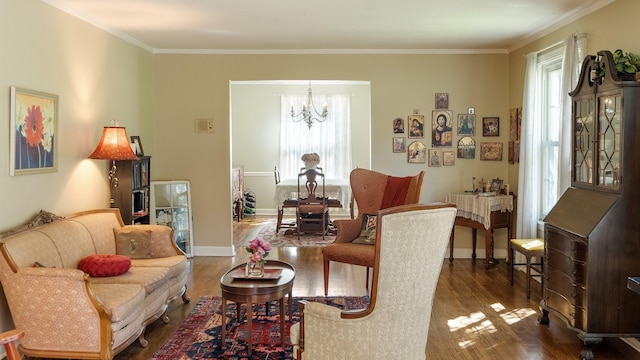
(254, 270)
(308, 165)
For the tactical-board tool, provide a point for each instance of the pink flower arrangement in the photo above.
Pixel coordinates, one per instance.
(259, 250)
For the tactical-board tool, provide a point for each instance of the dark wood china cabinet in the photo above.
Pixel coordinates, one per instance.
(592, 234)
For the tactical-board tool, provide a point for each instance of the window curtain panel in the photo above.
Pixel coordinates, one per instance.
(331, 139)
(528, 204)
(574, 46)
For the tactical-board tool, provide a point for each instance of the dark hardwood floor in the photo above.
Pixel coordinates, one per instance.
(476, 314)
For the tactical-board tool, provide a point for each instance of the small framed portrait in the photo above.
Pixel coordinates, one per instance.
(416, 126)
(435, 157)
(416, 152)
(466, 124)
(471, 110)
(449, 158)
(490, 126)
(491, 151)
(399, 144)
(466, 148)
(496, 185)
(136, 140)
(441, 130)
(398, 126)
(442, 101)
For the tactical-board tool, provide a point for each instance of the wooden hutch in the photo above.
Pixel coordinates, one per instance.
(592, 235)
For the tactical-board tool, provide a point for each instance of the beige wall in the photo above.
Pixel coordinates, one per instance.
(97, 78)
(193, 86)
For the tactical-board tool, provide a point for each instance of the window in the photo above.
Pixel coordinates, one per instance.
(331, 139)
(550, 70)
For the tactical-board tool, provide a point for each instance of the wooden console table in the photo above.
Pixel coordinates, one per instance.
(482, 212)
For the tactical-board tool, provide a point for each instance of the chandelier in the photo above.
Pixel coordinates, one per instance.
(309, 114)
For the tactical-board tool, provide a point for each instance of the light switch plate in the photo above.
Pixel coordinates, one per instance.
(207, 125)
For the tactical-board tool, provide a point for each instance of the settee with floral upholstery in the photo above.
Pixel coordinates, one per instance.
(85, 286)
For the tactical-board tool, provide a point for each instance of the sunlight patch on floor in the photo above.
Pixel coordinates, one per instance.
(462, 322)
(513, 316)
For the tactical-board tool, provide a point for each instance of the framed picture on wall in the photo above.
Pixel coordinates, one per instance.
(33, 133)
(398, 126)
(442, 101)
(399, 144)
(416, 126)
(466, 148)
(466, 124)
(449, 158)
(491, 151)
(435, 157)
(490, 126)
(136, 140)
(416, 153)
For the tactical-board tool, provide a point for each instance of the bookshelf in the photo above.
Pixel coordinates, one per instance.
(132, 194)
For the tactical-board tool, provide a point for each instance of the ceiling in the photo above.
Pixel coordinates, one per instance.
(329, 26)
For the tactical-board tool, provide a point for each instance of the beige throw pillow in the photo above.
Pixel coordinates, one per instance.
(133, 241)
(368, 230)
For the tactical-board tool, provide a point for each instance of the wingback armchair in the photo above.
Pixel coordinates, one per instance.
(372, 192)
(410, 248)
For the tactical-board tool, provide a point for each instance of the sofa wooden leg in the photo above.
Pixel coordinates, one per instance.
(143, 342)
(185, 298)
(165, 318)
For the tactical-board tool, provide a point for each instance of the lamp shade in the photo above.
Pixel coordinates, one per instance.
(114, 145)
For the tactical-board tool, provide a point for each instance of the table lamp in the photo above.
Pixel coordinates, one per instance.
(114, 145)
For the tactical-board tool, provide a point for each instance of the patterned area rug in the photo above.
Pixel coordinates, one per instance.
(198, 336)
(268, 233)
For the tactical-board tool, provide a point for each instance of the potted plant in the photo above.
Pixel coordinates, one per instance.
(627, 64)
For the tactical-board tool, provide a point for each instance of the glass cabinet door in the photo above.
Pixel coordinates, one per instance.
(171, 206)
(609, 145)
(583, 127)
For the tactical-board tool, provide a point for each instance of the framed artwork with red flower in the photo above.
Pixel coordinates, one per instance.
(34, 132)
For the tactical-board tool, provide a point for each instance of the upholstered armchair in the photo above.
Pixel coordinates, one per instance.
(410, 246)
(372, 192)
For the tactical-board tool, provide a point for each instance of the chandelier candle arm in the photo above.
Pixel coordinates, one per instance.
(309, 113)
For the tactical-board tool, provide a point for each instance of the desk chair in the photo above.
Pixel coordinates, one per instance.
(9, 339)
(287, 203)
(529, 248)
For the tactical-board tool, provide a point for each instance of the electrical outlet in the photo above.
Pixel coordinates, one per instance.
(205, 125)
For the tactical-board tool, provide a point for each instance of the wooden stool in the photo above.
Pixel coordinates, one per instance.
(8, 339)
(529, 248)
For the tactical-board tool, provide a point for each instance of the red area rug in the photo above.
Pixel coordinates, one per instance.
(198, 336)
(268, 233)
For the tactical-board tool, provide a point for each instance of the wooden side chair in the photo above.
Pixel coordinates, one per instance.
(286, 203)
(312, 214)
(9, 339)
(370, 190)
(411, 241)
(529, 248)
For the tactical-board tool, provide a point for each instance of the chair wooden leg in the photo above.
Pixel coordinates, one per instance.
(280, 215)
(9, 339)
(326, 277)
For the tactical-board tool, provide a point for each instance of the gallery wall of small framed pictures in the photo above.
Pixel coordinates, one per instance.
(409, 135)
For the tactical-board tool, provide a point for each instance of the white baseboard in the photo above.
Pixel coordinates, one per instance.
(633, 342)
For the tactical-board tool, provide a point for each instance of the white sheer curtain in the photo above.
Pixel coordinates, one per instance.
(528, 208)
(331, 139)
(528, 204)
(574, 46)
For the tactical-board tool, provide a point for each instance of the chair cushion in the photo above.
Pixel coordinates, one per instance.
(102, 265)
(367, 230)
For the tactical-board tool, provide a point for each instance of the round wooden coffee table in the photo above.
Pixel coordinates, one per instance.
(277, 282)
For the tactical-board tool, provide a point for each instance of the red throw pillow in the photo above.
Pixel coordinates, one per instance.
(101, 265)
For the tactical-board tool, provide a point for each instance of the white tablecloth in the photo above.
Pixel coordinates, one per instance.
(478, 208)
(335, 189)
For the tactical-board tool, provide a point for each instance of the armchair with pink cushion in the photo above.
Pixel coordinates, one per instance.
(372, 192)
